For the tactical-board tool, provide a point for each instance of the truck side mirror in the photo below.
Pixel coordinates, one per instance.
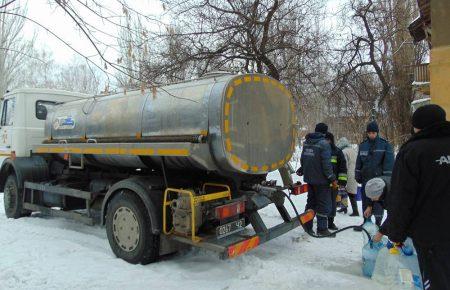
(41, 112)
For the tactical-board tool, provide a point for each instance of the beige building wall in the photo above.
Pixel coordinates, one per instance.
(440, 54)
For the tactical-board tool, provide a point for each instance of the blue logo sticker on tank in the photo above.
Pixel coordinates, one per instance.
(66, 122)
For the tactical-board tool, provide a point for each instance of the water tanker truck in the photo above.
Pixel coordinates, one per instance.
(165, 168)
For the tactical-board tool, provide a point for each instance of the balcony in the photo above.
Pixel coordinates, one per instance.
(421, 80)
(422, 73)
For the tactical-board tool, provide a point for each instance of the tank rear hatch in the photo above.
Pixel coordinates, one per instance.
(258, 124)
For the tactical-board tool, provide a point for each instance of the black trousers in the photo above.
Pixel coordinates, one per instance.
(434, 263)
(319, 199)
(334, 193)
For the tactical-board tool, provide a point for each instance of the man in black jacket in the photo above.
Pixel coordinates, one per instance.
(318, 173)
(340, 170)
(419, 201)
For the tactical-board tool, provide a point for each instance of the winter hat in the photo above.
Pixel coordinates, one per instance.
(342, 143)
(321, 128)
(427, 115)
(329, 136)
(372, 127)
(375, 187)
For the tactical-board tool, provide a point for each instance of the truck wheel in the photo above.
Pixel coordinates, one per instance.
(13, 199)
(129, 232)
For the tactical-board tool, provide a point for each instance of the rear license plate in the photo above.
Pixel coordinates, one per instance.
(230, 228)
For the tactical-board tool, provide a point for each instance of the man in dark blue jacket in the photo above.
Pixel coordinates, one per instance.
(318, 173)
(375, 158)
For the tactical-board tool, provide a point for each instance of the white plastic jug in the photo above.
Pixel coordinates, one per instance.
(398, 268)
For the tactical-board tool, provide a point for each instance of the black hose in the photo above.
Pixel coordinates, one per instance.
(331, 234)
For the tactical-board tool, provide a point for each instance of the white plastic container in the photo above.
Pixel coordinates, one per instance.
(398, 268)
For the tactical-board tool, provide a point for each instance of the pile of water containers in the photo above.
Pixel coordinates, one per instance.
(394, 266)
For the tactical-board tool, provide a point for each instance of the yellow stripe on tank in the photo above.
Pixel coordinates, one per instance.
(235, 159)
(75, 150)
(112, 151)
(228, 144)
(227, 109)
(93, 150)
(172, 152)
(230, 92)
(226, 126)
(116, 151)
(142, 151)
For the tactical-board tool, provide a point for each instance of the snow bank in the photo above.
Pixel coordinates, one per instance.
(54, 253)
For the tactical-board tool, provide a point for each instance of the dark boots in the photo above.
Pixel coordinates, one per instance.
(325, 233)
(342, 210)
(308, 227)
(331, 224)
(354, 205)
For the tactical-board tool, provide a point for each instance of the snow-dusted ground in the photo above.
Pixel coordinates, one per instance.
(54, 253)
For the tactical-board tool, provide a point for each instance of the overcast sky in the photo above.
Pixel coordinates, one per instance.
(54, 18)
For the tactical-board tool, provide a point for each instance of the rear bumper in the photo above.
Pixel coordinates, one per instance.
(239, 243)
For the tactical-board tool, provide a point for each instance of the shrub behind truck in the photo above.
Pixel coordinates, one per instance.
(183, 164)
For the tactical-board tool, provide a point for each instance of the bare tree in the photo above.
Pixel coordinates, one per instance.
(40, 71)
(134, 50)
(375, 64)
(13, 48)
(247, 36)
(77, 76)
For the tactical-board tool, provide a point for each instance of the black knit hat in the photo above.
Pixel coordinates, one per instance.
(321, 128)
(427, 115)
(373, 127)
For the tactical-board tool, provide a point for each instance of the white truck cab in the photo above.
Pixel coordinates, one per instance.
(23, 114)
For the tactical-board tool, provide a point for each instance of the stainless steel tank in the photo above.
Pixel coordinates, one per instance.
(247, 122)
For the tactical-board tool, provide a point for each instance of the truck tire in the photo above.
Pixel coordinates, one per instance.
(128, 228)
(13, 199)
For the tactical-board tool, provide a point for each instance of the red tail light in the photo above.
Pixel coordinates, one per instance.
(229, 210)
(298, 189)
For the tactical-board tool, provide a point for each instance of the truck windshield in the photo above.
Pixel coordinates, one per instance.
(8, 112)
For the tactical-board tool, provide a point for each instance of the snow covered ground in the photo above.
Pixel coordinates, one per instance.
(54, 253)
